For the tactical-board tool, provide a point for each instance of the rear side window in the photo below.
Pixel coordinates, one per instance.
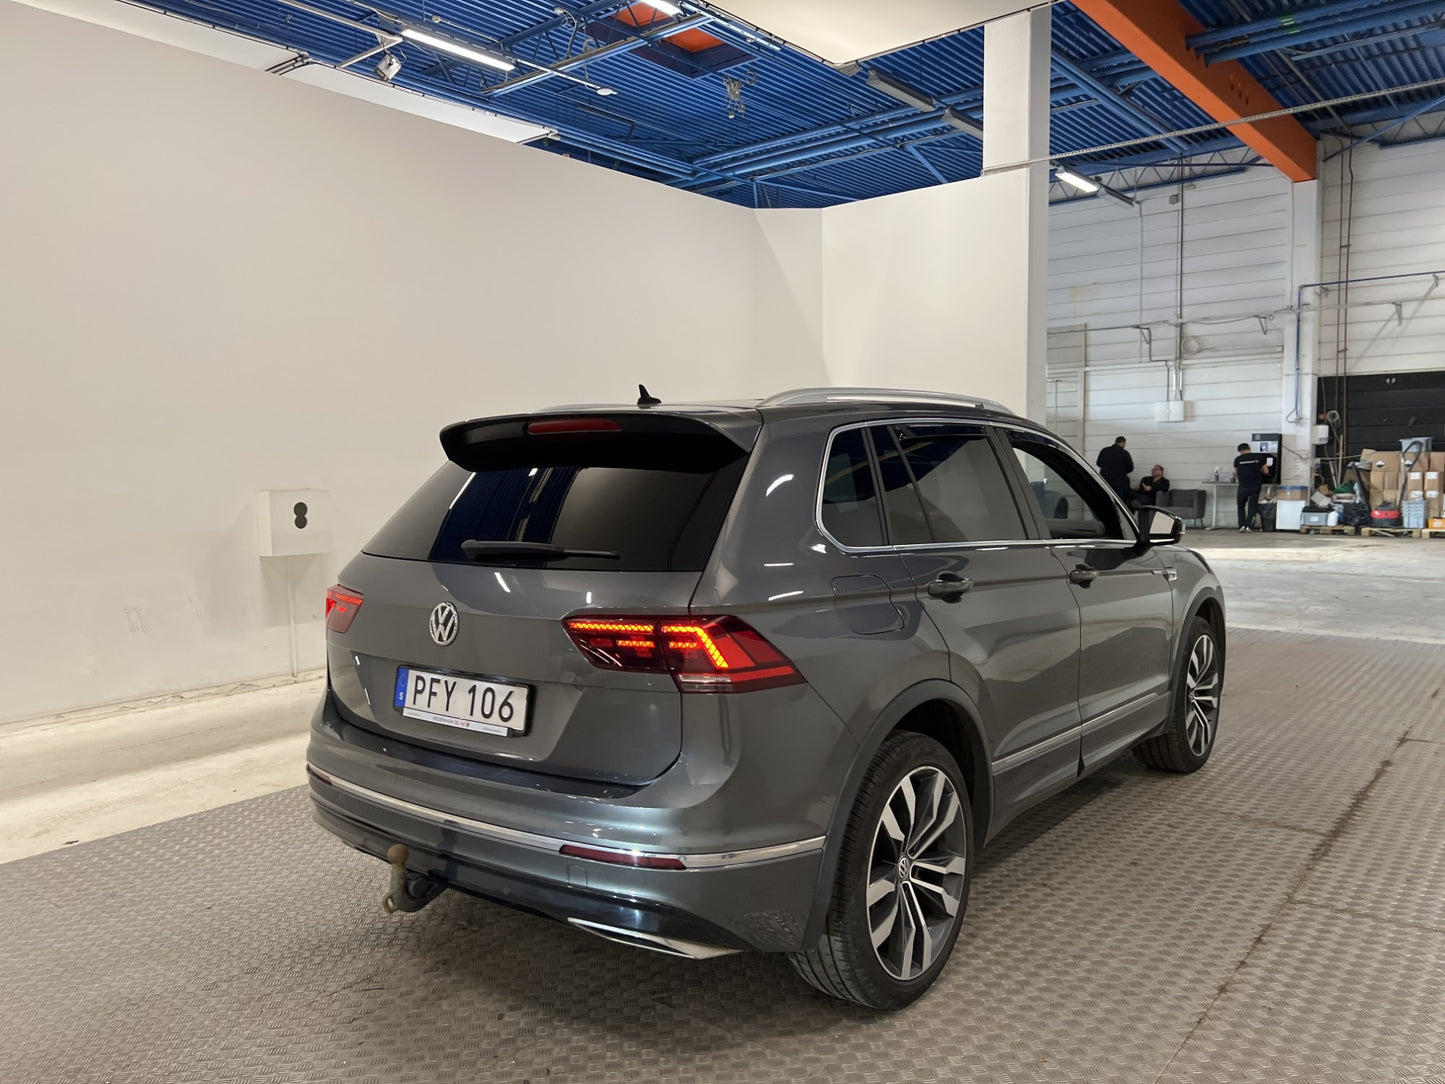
(959, 483)
(907, 523)
(850, 499)
(657, 508)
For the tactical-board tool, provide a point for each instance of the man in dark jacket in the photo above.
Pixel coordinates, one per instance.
(1250, 471)
(1148, 487)
(1115, 466)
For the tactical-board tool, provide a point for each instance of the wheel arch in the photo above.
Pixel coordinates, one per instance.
(937, 709)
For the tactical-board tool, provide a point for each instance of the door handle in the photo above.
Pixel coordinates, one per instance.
(1083, 575)
(949, 588)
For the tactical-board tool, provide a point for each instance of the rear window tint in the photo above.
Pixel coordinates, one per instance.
(850, 501)
(658, 512)
(961, 484)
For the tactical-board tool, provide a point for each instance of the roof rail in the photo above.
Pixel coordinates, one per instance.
(799, 396)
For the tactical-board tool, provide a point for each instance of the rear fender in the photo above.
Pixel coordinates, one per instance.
(963, 715)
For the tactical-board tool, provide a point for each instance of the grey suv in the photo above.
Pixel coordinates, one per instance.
(753, 676)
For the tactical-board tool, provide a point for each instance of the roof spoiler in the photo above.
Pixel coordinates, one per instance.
(618, 438)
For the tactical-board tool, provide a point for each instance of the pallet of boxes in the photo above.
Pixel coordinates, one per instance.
(1405, 491)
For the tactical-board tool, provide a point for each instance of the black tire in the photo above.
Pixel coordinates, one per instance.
(1188, 738)
(925, 879)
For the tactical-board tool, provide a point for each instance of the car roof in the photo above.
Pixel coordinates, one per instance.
(831, 401)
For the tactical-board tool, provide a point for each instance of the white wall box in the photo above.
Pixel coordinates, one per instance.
(293, 522)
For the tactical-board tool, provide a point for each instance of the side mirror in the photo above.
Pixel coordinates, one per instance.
(1159, 528)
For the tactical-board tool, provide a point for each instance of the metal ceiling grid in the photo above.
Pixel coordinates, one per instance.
(777, 127)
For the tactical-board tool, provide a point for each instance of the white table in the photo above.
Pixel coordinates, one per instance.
(1217, 494)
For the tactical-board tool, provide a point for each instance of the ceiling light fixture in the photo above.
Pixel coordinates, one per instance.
(664, 7)
(456, 48)
(606, 92)
(900, 91)
(1083, 184)
(387, 67)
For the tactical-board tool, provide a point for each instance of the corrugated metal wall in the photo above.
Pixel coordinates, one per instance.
(1117, 284)
(1389, 207)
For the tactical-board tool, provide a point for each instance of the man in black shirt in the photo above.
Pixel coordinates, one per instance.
(1115, 466)
(1250, 471)
(1148, 487)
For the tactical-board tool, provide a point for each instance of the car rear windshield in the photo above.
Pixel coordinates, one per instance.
(658, 506)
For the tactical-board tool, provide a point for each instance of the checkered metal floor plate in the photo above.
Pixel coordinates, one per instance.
(1278, 916)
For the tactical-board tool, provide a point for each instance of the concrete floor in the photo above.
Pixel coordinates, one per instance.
(1280, 915)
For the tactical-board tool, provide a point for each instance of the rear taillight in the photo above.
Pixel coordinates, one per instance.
(703, 654)
(341, 607)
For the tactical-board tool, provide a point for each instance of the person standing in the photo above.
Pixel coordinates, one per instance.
(1115, 465)
(1250, 471)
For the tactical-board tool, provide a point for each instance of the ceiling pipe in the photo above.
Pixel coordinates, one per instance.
(1316, 30)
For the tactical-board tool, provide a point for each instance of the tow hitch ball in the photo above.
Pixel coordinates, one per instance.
(409, 891)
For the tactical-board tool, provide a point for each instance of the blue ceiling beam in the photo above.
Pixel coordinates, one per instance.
(1428, 107)
(838, 146)
(1319, 29)
(1121, 107)
(616, 48)
(548, 25)
(1284, 21)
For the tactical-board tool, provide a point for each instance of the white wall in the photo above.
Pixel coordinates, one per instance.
(923, 289)
(1249, 242)
(1396, 226)
(217, 282)
(1114, 284)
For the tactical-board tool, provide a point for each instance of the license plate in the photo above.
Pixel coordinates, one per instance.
(491, 707)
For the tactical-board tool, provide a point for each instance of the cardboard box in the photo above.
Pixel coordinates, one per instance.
(1382, 461)
(1437, 462)
(1437, 523)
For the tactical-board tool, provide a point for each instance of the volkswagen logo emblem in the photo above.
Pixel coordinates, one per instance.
(443, 623)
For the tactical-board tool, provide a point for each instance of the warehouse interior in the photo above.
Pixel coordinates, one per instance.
(262, 248)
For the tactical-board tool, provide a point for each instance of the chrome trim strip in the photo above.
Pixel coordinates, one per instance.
(552, 845)
(1127, 519)
(1099, 721)
(912, 547)
(1038, 749)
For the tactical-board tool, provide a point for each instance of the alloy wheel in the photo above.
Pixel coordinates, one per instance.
(916, 872)
(1201, 686)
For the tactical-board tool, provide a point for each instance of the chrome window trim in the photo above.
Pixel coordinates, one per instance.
(910, 547)
(553, 845)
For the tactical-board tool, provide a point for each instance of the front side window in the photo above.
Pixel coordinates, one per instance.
(1070, 499)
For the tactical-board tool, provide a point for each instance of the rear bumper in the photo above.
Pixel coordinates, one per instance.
(746, 824)
(731, 902)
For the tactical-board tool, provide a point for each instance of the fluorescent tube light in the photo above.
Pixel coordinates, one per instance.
(664, 7)
(456, 48)
(1083, 184)
(900, 91)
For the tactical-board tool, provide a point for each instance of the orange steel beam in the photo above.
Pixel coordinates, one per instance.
(1155, 31)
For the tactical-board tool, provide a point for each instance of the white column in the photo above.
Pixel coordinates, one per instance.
(1016, 59)
(1302, 349)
